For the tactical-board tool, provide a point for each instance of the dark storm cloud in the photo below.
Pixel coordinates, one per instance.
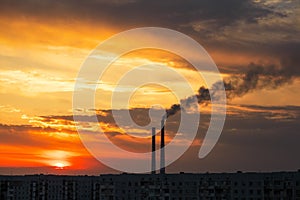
(235, 21)
(168, 13)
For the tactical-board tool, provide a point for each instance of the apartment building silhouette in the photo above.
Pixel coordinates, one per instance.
(214, 186)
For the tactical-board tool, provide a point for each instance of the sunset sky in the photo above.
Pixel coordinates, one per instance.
(43, 44)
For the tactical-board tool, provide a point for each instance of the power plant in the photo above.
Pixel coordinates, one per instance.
(153, 162)
(162, 149)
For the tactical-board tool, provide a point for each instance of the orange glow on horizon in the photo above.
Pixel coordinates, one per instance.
(60, 165)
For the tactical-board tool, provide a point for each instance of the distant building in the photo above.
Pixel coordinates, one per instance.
(240, 186)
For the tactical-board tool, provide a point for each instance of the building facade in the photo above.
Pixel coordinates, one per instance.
(208, 186)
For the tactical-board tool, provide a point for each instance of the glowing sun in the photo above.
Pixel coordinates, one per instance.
(59, 165)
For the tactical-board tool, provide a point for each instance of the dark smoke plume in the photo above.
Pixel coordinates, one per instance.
(173, 109)
(257, 78)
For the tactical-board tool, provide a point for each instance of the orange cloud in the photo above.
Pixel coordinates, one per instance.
(30, 31)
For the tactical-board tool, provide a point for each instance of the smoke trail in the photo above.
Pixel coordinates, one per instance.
(258, 77)
(173, 109)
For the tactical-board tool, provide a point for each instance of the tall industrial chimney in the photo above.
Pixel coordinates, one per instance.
(153, 163)
(162, 146)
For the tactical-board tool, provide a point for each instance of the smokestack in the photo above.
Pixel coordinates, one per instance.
(162, 145)
(153, 163)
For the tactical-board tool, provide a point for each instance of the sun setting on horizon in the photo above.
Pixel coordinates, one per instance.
(60, 165)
